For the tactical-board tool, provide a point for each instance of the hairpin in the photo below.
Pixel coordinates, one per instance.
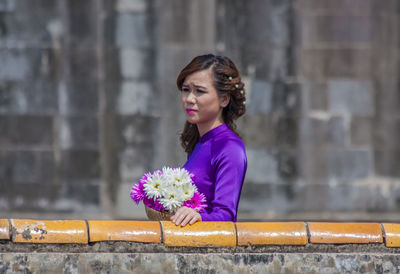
(244, 102)
(237, 86)
(230, 77)
(241, 92)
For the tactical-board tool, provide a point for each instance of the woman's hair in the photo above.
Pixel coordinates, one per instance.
(226, 81)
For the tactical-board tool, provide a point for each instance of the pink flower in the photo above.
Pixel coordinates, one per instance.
(154, 204)
(137, 192)
(198, 202)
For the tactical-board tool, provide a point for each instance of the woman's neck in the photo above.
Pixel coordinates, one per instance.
(204, 128)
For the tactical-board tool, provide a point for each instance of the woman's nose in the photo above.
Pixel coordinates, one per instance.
(190, 98)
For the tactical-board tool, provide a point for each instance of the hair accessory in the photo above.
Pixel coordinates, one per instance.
(230, 77)
(237, 86)
(241, 92)
(244, 102)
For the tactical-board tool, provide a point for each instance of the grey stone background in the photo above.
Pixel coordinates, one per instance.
(88, 102)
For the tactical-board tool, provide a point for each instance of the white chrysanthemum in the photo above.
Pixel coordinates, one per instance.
(154, 185)
(172, 199)
(176, 177)
(188, 191)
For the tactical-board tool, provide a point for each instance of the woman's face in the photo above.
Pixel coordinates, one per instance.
(201, 102)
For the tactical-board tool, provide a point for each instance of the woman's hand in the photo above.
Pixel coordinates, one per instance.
(185, 215)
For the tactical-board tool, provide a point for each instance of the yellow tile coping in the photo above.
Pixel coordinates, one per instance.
(49, 231)
(4, 229)
(271, 233)
(136, 231)
(199, 234)
(392, 234)
(341, 233)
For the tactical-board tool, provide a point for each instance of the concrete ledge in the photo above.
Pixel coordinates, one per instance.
(198, 263)
(202, 234)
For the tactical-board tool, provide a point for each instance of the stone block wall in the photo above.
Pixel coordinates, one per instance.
(88, 101)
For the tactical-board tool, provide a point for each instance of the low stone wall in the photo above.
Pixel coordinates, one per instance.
(207, 247)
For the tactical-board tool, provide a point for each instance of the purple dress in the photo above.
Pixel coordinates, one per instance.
(219, 165)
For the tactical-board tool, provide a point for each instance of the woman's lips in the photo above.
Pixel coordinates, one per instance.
(190, 111)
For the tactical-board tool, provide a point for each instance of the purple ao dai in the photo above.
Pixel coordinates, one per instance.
(219, 164)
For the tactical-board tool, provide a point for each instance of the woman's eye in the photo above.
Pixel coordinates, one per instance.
(185, 90)
(201, 91)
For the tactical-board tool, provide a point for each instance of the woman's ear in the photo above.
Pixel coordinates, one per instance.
(224, 100)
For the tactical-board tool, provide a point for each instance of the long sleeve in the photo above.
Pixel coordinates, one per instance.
(230, 166)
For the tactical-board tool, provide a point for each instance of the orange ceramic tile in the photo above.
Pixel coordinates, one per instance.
(4, 229)
(136, 231)
(199, 234)
(287, 233)
(45, 231)
(343, 233)
(392, 232)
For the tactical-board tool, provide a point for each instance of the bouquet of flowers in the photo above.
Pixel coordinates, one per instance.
(168, 190)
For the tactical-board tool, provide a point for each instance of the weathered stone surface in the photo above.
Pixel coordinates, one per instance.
(318, 95)
(347, 6)
(341, 28)
(286, 129)
(350, 97)
(134, 63)
(77, 196)
(15, 65)
(265, 63)
(27, 167)
(262, 166)
(26, 130)
(327, 131)
(371, 196)
(79, 132)
(319, 64)
(199, 263)
(79, 165)
(349, 164)
(131, 5)
(82, 29)
(83, 63)
(257, 130)
(260, 100)
(39, 198)
(7, 5)
(28, 28)
(37, 97)
(131, 29)
(78, 98)
(183, 21)
(135, 98)
(361, 131)
(385, 162)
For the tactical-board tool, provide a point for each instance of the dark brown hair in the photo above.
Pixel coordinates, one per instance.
(226, 81)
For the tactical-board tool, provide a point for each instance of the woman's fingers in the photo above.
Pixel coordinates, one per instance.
(185, 215)
(188, 218)
(176, 218)
(195, 219)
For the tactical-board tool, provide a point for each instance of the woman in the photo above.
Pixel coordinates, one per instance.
(212, 97)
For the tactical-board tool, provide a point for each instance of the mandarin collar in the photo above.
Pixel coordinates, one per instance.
(213, 132)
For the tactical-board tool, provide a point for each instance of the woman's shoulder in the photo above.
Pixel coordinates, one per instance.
(228, 144)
